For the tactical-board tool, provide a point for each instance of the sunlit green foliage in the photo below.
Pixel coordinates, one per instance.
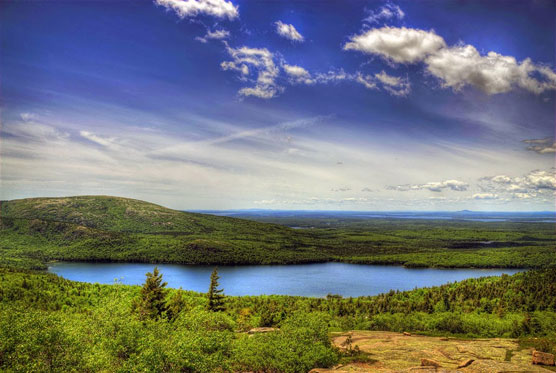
(151, 303)
(48, 323)
(33, 231)
(215, 296)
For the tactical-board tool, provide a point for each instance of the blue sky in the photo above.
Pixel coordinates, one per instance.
(215, 104)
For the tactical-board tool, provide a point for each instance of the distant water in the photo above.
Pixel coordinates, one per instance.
(313, 280)
(476, 216)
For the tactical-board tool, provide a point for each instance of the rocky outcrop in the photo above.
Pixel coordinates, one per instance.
(261, 330)
(465, 363)
(390, 352)
(430, 363)
(542, 358)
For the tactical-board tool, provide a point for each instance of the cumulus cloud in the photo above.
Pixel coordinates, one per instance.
(298, 74)
(457, 66)
(435, 186)
(192, 8)
(254, 61)
(542, 146)
(385, 13)
(485, 196)
(214, 35)
(288, 31)
(535, 184)
(401, 45)
(492, 73)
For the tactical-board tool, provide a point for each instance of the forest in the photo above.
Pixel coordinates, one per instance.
(101, 228)
(48, 323)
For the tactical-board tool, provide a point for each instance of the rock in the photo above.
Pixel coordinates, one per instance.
(261, 330)
(429, 363)
(465, 363)
(543, 358)
(406, 333)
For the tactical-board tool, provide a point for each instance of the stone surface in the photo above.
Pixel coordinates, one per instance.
(542, 358)
(261, 330)
(465, 363)
(396, 352)
(429, 363)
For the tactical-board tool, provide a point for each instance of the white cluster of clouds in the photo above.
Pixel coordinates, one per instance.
(288, 31)
(192, 8)
(456, 66)
(385, 13)
(297, 74)
(400, 45)
(485, 196)
(434, 186)
(214, 35)
(267, 67)
(254, 61)
(533, 184)
(542, 146)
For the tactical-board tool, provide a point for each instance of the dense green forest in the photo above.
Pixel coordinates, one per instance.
(48, 323)
(97, 228)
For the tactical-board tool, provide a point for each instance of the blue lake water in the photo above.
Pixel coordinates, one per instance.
(313, 280)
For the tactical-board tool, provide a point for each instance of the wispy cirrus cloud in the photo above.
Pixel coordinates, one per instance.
(255, 61)
(394, 85)
(542, 146)
(385, 13)
(213, 35)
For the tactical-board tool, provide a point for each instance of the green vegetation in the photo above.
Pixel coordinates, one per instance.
(215, 296)
(48, 323)
(151, 303)
(96, 228)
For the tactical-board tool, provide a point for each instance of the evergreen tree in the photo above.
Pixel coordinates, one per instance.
(151, 302)
(175, 305)
(215, 296)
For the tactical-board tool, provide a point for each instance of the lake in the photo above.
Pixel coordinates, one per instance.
(312, 280)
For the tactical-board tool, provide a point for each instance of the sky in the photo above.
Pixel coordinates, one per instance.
(330, 105)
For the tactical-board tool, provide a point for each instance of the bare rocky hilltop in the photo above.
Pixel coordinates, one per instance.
(395, 352)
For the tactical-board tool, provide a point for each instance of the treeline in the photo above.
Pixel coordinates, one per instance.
(96, 228)
(49, 323)
(31, 243)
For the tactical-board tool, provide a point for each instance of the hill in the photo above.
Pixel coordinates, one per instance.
(119, 214)
(103, 228)
(113, 228)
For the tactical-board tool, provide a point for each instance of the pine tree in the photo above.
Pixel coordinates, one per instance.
(151, 303)
(215, 296)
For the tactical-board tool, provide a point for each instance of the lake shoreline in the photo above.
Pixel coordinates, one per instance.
(308, 280)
